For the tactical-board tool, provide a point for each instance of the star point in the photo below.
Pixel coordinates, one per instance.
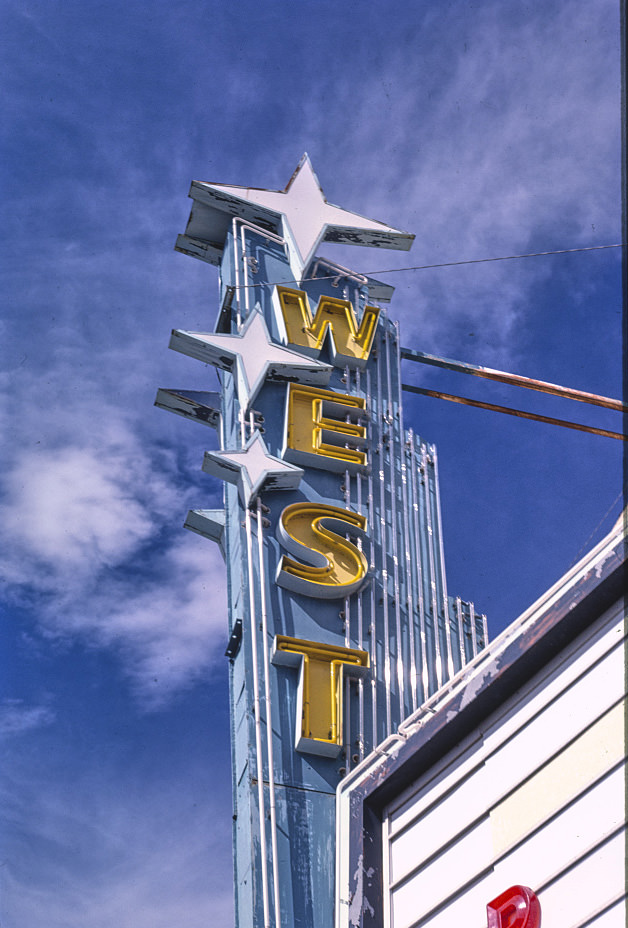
(252, 469)
(300, 212)
(251, 356)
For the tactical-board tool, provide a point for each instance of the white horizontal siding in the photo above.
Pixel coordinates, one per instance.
(441, 823)
(586, 887)
(582, 763)
(432, 884)
(554, 683)
(537, 789)
(567, 837)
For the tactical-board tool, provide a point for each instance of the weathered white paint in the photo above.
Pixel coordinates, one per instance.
(536, 798)
(252, 356)
(252, 468)
(307, 217)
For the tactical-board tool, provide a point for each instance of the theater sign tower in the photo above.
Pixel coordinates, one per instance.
(340, 621)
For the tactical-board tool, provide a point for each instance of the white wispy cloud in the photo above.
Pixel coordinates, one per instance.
(97, 543)
(17, 717)
(514, 149)
(77, 511)
(169, 630)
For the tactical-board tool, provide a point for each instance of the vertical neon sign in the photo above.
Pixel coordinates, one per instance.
(339, 615)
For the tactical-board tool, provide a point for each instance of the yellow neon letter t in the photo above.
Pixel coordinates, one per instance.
(319, 702)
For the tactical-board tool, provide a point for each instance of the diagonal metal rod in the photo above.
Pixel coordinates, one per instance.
(516, 380)
(513, 412)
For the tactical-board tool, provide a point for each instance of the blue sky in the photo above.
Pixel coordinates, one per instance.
(486, 129)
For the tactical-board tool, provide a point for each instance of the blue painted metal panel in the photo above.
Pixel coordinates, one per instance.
(415, 634)
(402, 618)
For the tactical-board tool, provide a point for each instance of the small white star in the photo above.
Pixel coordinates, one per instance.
(304, 212)
(252, 468)
(252, 357)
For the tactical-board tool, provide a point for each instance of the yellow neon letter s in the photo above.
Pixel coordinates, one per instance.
(319, 701)
(334, 567)
(350, 344)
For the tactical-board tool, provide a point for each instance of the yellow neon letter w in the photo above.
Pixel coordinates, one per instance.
(349, 344)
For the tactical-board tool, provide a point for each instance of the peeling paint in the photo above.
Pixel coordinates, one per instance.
(476, 683)
(555, 620)
(355, 907)
(599, 568)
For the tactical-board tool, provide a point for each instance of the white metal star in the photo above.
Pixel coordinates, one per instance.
(252, 468)
(252, 356)
(305, 215)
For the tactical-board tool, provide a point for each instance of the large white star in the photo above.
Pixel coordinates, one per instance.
(252, 357)
(252, 468)
(305, 215)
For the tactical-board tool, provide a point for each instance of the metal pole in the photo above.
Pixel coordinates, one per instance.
(258, 720)
(441, 553)
(371, 522)
(382, 424)
(269, 714)
(516, 380)
(414, 477)
(432, 564)
(360, 617)
(465, 401)
(403, 452)
(393, 516)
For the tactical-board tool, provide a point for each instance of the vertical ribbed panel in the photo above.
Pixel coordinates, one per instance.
(404, 617)
(415, 634)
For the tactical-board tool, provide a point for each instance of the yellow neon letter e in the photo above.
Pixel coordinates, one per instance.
(315, 437)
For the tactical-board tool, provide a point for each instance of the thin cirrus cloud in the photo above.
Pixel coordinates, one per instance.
(485, 129)
(172, 630)
(17, 717)
(516, 150)
(152, 607)
(491, 158)
(77, 511)
(110, 849)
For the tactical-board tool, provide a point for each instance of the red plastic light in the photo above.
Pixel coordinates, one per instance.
(517, 907)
